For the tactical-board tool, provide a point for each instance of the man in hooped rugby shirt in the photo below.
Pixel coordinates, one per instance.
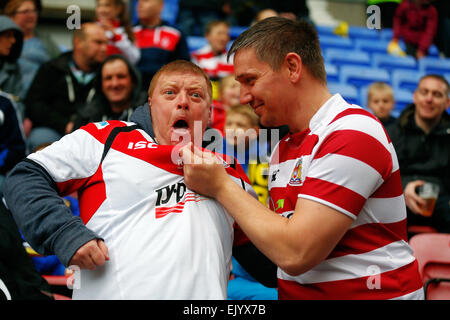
(337, 224)
(142, 234)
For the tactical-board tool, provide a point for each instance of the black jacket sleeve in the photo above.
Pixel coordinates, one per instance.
(256, 264)
(41, 214)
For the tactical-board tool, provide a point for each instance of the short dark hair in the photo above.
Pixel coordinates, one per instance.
(437, 77)
(273, 38)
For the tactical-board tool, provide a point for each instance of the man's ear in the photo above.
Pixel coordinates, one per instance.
(149, 100)
(293, 66)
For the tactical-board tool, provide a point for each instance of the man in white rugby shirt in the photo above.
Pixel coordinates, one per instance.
(337, 224)
(142, 234)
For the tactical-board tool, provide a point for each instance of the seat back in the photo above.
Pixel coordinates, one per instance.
(432, 251)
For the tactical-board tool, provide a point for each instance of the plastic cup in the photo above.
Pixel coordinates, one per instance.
(429, 192)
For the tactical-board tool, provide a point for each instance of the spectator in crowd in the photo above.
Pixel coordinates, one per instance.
(64, 85)
(112, 15)
(119, 86)
(139, 218)
(265, 13)
(381, 101)
(19, 279)
(159, 42)
(290, 9)
(213, 57)
(241, 142)
(11, 42)
(324, 219)
(38, 47)
(415, 21)
(12, 143)
(442, 39)
(194, 15)
(228, 95)
(421, 137)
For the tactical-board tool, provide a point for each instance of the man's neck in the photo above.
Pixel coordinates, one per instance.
(426, 125)
(81, 63)
(151, 22)
(309, 100)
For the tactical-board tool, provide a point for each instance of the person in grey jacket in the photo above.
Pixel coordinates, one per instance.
(11, 42)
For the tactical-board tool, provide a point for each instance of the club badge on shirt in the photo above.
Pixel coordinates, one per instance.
(296, 177)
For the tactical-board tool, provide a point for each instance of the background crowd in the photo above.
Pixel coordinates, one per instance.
(48, 91)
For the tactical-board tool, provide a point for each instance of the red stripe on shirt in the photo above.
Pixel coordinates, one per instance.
(354, 111)
(333, 193)
(91, 199)
(395, 283)
(360, 146)
(369, 237)
(392, 187)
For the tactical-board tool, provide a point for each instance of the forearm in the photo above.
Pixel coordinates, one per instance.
(269, 232)
(46, 222)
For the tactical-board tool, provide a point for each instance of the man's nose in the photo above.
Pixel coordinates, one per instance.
(183, 102)
(245, 96)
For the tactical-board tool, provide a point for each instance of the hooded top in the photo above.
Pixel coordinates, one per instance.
(7, 24)
(10, 74)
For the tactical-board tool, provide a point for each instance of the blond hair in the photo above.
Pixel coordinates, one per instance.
(245, 110)
(379, 86)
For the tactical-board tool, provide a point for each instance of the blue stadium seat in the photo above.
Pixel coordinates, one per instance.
(433, 51)
(406, 79)
(370, 46)
(389, 62)
(434, 65)
(332, 72)
(355, 32)
(195, 42)
(235, 31)
(348, 92)
(360, 76)
(170, 11)
(386, 34)
(340, 57)
(336, 42)
(447, 77)
(402, 99)
(325, 30)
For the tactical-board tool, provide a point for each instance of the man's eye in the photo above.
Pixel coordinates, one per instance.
(196, 95)
(168, 92)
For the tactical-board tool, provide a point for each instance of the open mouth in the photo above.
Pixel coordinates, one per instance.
(181, 124)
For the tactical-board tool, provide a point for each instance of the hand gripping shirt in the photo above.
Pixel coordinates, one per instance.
(346, 161)
(164, 240)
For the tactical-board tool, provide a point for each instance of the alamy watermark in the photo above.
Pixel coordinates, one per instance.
(74, 20)
(374, 19)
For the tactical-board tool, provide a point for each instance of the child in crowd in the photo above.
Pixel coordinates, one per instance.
(241, 133)
(112, 15)
(228, 94)
(213, 57)
(380, 99)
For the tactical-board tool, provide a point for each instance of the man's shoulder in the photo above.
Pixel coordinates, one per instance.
(102, 130)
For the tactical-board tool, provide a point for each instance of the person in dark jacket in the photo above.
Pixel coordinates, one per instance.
(12, 143)
(63, 85)
(11, 43)
(118, 84)
(159, 42)
(19, 279)
(415, 21)
(421, 138)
